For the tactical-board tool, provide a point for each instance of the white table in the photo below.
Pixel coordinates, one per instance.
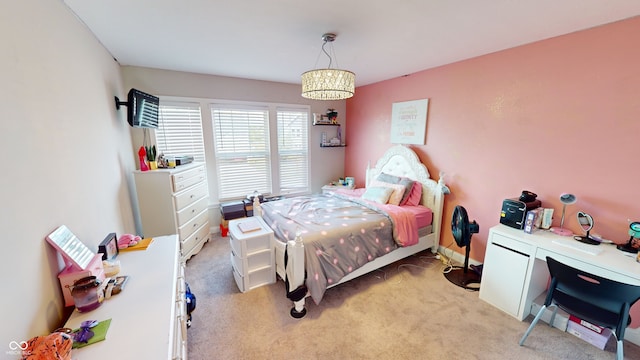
(515, 270)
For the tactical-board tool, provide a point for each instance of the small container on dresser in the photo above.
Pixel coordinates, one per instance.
(175, 201)
(252, 253)
(69, 275)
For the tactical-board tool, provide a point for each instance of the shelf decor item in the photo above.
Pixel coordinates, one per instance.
(332, 115)
(151, 157)
(142, 154)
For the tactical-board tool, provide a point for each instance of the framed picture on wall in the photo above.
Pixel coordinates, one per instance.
(409, 122)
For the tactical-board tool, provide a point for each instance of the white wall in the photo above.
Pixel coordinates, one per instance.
(67, 156)
(327, 164)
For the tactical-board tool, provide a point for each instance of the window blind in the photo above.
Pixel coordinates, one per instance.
(243, 158)
(180, 130)
(293, 150)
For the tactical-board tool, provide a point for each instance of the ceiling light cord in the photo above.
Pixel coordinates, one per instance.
(326, 53)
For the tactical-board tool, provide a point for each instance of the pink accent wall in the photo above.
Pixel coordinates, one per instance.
(559, 115)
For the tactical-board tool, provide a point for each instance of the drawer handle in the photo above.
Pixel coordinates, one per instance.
(192, 196)
(193, 211)
(195, 225)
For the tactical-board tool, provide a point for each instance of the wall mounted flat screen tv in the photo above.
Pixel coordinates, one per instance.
(142, 109)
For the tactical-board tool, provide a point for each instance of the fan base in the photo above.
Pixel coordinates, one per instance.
(468, 280)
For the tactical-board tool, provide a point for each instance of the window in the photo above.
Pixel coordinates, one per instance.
(180, 130)
(243, 149)
(243, 160)
(256, 146)
(293, 150)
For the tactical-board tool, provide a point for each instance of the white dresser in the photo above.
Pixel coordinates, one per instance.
(148, 318)
(252, 253)
(175, 201)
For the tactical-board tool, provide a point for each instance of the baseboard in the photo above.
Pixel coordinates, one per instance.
(456, 257)
(632, 335)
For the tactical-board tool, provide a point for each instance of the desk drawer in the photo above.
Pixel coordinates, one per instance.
(512, 244)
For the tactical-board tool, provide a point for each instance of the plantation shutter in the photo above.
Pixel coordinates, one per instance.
(243, 159)
(180, 130)
(293, 150)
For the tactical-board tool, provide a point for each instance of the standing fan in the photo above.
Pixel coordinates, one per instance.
(462, 231)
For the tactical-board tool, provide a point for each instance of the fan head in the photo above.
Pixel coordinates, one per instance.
(461, 228)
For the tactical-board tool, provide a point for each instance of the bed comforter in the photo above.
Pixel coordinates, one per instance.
(340, 233)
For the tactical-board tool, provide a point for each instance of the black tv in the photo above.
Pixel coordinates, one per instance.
(142, 109)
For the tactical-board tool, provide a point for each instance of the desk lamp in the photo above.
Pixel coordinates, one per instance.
(566, 199)
(633, 245)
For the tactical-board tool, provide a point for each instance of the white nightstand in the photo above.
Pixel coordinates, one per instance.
(252, 254)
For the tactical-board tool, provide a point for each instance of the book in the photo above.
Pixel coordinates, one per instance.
(249, 225)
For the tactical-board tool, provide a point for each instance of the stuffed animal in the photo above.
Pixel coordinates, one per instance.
(128, 240)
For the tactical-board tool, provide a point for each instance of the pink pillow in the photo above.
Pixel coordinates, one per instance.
(415, 195)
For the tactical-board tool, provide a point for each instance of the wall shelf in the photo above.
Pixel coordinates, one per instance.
(329, 145)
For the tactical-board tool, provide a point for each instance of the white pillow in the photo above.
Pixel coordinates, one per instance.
(379, 194)
(398, 191)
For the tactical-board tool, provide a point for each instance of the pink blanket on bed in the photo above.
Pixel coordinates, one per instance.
(405, 229)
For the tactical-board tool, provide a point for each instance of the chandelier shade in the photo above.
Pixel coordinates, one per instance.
(329, 83)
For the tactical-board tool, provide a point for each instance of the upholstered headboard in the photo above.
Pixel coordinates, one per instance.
(400, 160)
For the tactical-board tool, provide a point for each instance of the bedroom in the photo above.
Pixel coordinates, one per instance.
(55, 62)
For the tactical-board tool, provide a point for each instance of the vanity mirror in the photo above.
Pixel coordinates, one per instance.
(586, 223)
(633, 245)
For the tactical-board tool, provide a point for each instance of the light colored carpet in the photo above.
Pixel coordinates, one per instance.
(403, 312)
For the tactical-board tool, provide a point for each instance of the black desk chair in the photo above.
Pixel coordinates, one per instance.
(600, 301)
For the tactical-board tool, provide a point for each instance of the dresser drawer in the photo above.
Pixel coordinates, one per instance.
(192, 225)
(196, 238)
(189, 212)
(184, 179)
(190, 195)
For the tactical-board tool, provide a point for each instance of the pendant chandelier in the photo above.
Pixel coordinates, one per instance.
(328, 84)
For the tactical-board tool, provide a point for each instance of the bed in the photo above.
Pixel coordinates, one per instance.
(324, 240)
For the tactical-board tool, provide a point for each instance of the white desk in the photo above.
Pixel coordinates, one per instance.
(148, 316)
(515, 270)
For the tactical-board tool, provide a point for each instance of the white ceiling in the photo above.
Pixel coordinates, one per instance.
(277, 40)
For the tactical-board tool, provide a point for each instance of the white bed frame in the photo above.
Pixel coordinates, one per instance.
(400, 161)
